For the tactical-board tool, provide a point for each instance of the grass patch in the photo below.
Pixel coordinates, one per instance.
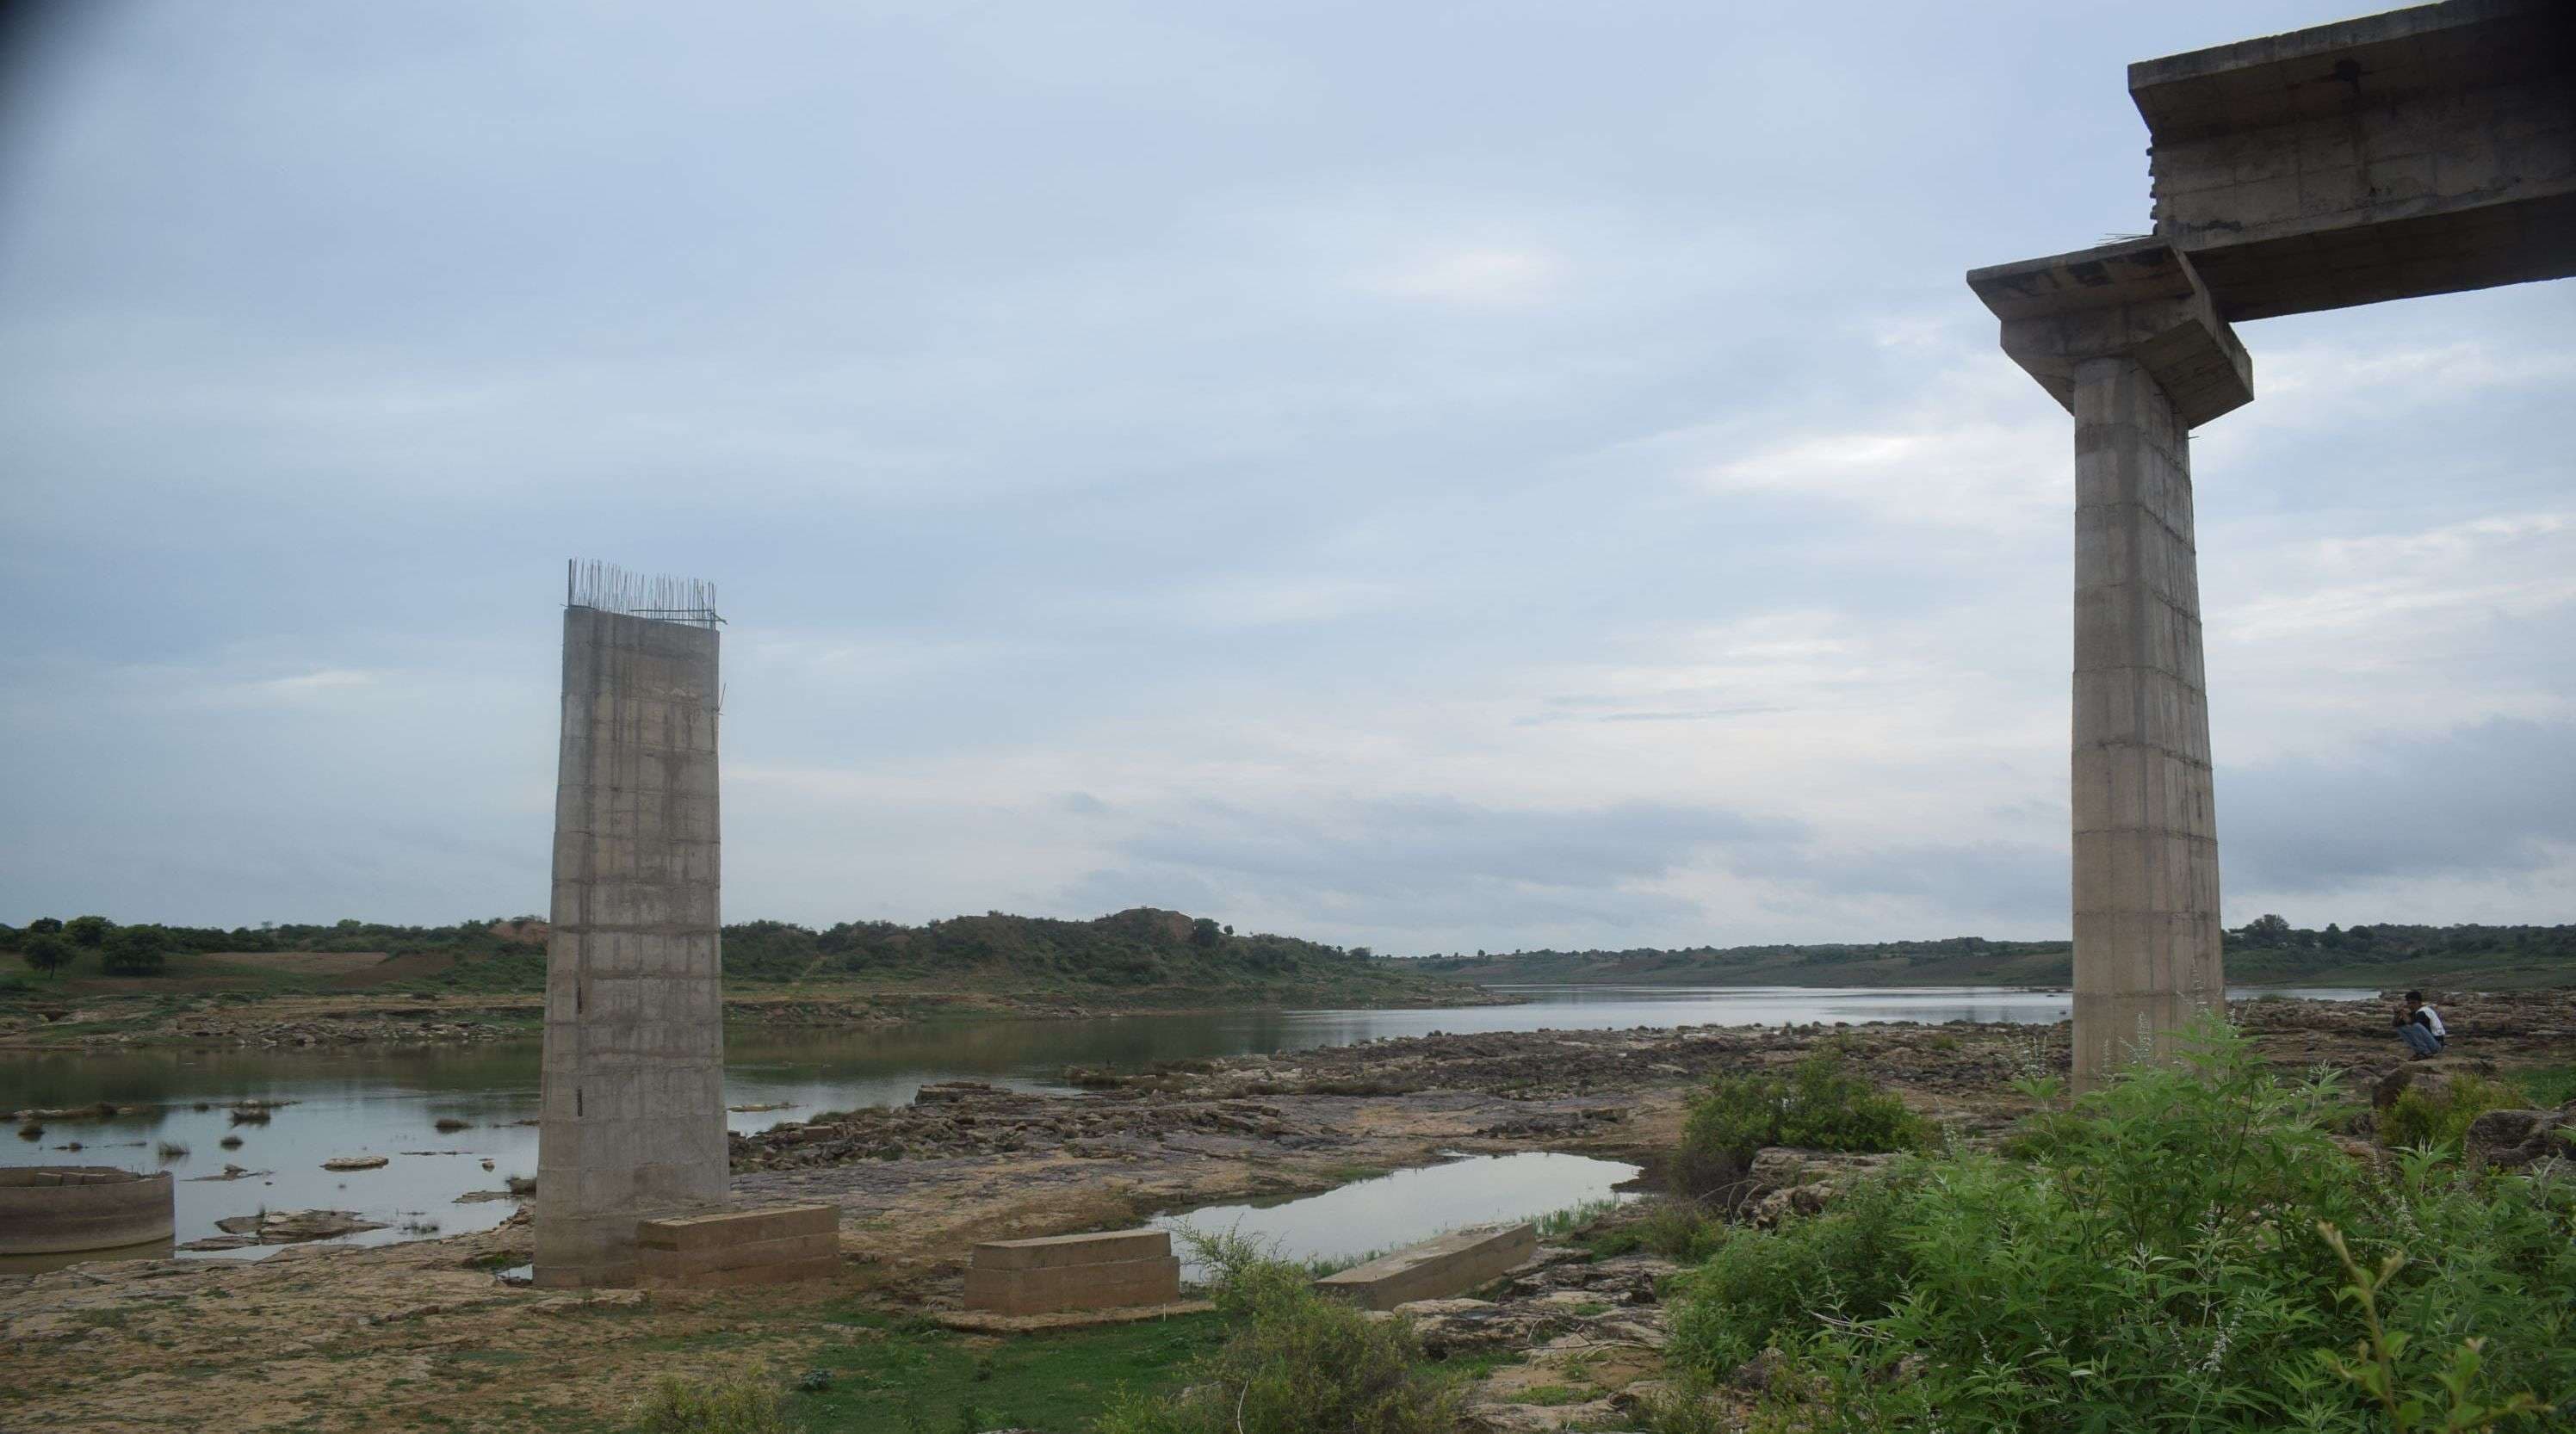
(908, 1375)
(1679, 1230)
(745, 1403)
(2548, 1087)
(1573, 1220)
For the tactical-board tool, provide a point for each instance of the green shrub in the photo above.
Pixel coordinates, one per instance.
(2158, 1260)
(742, 1404)
(1760, 1285)
(1296, 1363)
(2439, 1121)
(1817, 1106)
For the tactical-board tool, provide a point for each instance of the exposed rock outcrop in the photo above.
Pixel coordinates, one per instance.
(2512, 1139)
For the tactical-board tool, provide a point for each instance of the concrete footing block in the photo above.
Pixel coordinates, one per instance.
(773, 1245)
(1437, 1269)
(1114, 1269)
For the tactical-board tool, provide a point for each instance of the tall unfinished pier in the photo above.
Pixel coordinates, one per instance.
(633, 1121)
(2423, 151)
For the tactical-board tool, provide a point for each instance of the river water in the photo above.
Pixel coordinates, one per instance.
(358, 1101)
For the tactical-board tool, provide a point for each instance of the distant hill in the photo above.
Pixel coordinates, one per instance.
(1126, 953)
(1142, 946)
(1957, 961)
(2266, 952)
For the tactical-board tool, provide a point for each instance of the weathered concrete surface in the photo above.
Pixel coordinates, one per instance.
(2416, 152)
(1110, 1270)
(2147, 935)
(2424, 151)
(633, 1106)
(55, 1209)
(2132, 344)
(2142, 299)
(777, 1244)
(1051, 1251)
(1435, 1269)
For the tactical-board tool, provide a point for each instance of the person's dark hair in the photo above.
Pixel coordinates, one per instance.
(2414, 995)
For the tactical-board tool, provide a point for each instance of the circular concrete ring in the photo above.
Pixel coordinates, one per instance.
(54, 1209)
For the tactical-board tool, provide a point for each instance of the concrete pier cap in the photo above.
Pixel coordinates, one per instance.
(2421, 151)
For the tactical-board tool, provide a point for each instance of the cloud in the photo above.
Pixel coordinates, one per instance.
(2512, 565)
(1476, 277)
(1417, 864)
(2489, 799)
(1489, 486)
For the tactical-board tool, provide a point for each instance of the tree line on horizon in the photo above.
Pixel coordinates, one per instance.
(2268, 946)
(1139, 946)
(1147, 946)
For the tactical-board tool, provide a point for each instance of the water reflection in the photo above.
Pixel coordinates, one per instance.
(1372, 1216)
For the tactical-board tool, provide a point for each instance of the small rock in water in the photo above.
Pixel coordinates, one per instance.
(354, 1162)
(284, 1227)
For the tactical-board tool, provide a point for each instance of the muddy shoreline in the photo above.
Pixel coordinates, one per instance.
(380, 1336)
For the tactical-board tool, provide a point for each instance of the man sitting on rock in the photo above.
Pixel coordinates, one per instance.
(2420, 1026)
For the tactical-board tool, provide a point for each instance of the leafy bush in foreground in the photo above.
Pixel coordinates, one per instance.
(2172, 1256)
(1817, 1106)
(1297, 1363)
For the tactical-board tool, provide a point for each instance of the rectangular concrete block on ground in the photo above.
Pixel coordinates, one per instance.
(735, 1227)
(1095, 1249)
(738, 1247)
(1109, 1270)
(1438, 1268)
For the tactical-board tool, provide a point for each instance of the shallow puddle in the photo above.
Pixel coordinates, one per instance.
(1370, 1217)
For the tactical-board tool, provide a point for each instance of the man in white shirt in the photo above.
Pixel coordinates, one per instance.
(2420, 1026)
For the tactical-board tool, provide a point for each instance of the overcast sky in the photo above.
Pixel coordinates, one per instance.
(1438, 476)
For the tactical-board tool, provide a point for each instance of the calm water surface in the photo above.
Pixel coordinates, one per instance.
(388, 1102)
(1371, 1216)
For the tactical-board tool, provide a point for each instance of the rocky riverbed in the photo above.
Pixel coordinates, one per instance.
(422, 1334)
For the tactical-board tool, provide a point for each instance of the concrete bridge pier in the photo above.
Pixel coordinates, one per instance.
(2429, 150)
(2133, 347)
(2145, 823)
(632, 1115)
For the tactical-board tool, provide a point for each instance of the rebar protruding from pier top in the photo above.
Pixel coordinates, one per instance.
(610, 588)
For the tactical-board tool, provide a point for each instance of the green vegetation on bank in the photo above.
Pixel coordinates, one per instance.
(1127, 954)
(2187, 1248)
(1293, 1362)
(2266, 951)
(1818, 1105)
